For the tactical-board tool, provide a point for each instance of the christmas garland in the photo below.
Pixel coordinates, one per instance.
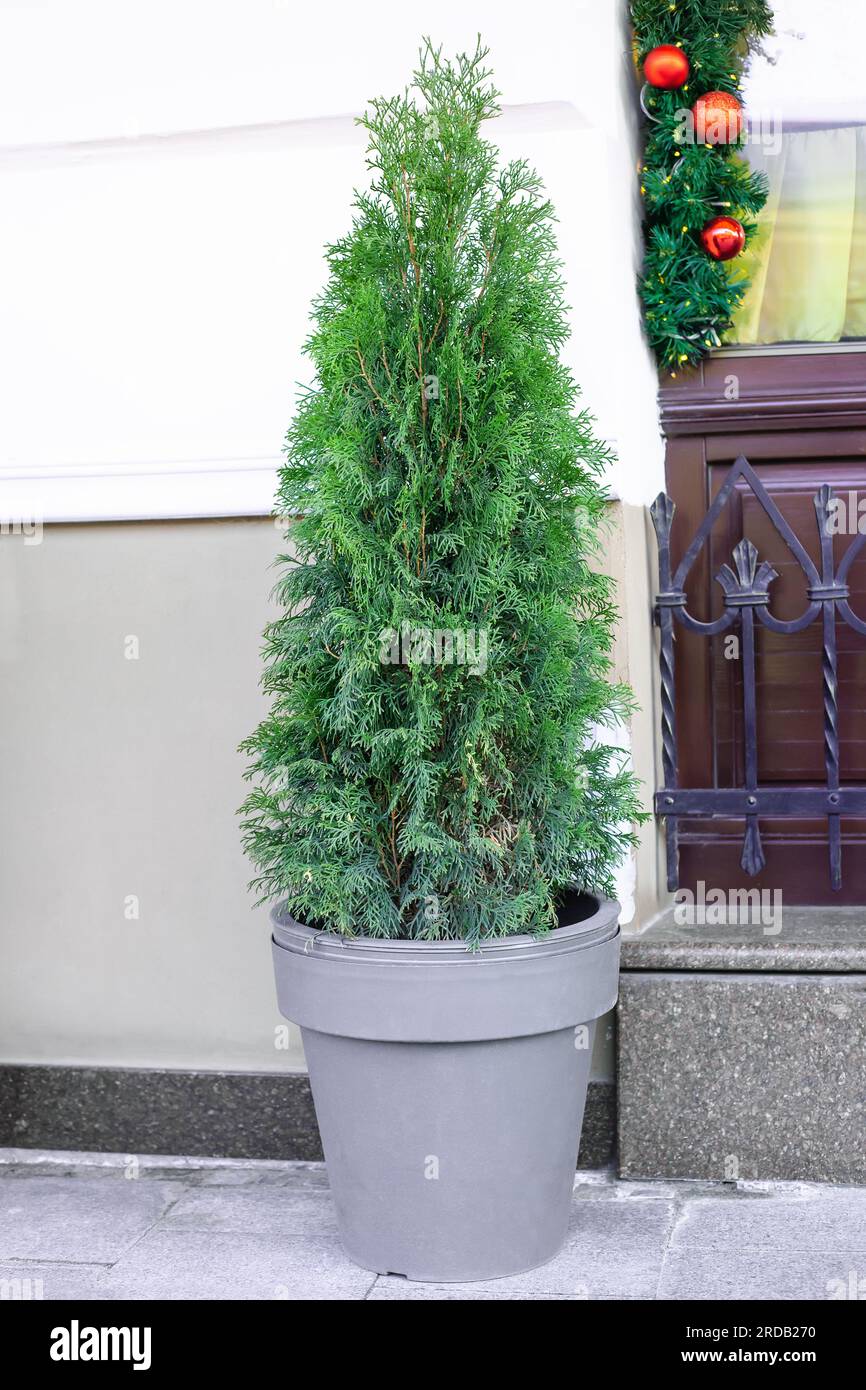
(700, 196)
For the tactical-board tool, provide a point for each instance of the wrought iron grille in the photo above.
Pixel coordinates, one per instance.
(746, 593)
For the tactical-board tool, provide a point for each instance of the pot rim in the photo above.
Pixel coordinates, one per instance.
(600, 926)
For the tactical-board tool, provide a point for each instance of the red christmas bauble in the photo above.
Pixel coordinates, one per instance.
(723, 238)
(718, 118)
(666, 67)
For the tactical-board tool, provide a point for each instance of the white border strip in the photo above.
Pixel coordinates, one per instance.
(139, 491)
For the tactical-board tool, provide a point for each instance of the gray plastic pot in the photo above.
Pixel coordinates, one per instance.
(449, 1086)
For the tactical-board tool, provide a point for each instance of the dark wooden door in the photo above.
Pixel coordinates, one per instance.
(801, 422)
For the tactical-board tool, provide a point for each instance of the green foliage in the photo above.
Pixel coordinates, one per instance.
(690, 299)
(442, 482)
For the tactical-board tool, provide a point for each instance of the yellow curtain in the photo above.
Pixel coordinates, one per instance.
(808, 262)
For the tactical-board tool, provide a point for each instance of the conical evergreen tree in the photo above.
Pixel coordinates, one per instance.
(428, 768)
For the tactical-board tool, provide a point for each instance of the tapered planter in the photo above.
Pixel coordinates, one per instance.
(450, 1085)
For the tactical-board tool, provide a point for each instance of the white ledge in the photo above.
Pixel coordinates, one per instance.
(139, 491)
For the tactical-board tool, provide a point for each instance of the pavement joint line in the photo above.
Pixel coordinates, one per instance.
(152, 1227)
(91, 1158)
(678, 1211)
(72, 1264)
(772, 1249)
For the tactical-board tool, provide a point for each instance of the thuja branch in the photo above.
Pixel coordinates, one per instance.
(429, 766)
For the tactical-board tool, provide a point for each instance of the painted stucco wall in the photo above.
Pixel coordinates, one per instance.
(128, 676)
(173, 173)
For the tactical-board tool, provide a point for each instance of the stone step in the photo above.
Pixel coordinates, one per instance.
(742, 1052)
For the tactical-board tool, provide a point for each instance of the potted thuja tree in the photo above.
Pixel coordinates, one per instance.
(432, 807)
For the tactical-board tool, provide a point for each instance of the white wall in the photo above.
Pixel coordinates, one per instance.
(171, 172)
(811, 71)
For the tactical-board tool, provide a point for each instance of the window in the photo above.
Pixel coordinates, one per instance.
(807, 108)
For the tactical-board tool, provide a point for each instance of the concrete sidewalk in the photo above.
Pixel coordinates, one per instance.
(105, 1226)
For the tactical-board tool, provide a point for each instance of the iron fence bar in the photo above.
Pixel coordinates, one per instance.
(829, 679)
(746, 593)
(735, 802)
(662, 512)
(743, 469)
(752, 858)
(746, 588)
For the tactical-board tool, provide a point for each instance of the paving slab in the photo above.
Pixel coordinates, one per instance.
(28, 1281)
(80, 1220)
(269, 1210)
(815, 1219)
(799, 939)
(388, 1289)
(196, 1264)
(757, 1275)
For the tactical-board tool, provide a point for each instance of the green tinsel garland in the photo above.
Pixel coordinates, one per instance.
(689, 299)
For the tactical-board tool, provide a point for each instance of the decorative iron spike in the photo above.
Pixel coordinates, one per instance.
(662, 513)
(750, 579)
(752, 860)
(822, 499)
(746, 561)
(728, 580)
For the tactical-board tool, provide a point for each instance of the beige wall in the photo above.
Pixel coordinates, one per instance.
(631, 557)
(120, 781)
(120, 778)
